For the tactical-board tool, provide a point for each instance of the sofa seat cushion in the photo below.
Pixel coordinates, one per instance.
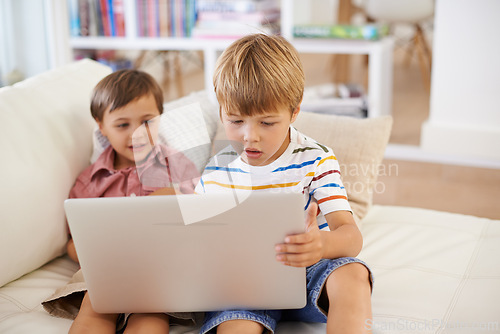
(433, 270)
(20, 301)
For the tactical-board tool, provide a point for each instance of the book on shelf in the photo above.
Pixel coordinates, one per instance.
(233, 19)
(154, 18)
(165, 18)
(231, 33)
(258, 17)
(96, 18)
(119, 17)
(74, 18)
(341, 31)
(239, 6)
(106, 17)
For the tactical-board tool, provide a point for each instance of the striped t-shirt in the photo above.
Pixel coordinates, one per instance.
(306, 166)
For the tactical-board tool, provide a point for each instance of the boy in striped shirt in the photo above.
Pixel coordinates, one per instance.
(259, 83)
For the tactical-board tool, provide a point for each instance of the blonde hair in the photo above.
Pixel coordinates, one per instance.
(122, 87)
(259, 73)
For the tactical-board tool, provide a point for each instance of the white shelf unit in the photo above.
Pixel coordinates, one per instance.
(380, 52)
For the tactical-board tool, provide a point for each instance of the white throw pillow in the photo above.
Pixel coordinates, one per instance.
(46, 131)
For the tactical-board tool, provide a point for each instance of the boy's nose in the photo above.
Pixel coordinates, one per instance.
(139, 132)
(250, 134)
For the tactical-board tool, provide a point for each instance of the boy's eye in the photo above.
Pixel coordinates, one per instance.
(122, 125)
(268, 123)
(235, 121)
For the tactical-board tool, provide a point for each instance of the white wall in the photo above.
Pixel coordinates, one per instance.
(23, 37)
(464, 108)
(315, 11)
(7, 51)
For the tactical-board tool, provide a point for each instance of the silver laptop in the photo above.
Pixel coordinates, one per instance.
(187, 252)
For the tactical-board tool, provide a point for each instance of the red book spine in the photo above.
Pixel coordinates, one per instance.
(152, 15)
(119, 14)
(105, 18)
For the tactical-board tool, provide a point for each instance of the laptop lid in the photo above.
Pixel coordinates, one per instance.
(187, 252)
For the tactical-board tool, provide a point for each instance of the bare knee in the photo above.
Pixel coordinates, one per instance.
(240, 326)
(352, 273)
(348, 299)
(147, 323)
(352, 277)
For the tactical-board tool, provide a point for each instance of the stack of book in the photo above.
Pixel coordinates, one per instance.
(96, 18)
(367, 31)
(165, 18)
(233, 19)
(342, 100)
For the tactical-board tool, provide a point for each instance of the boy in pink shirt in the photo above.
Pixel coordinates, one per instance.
(126, 105)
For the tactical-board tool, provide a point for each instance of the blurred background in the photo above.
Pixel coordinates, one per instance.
(444, 70)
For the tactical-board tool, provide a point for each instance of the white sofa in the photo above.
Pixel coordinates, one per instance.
(435, 272)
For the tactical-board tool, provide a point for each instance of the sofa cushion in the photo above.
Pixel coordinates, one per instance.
(187, 124)
(358, 144)
(46, 131)
(435, 272)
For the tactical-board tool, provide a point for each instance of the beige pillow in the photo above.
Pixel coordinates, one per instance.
(358, 144)
(46, 128)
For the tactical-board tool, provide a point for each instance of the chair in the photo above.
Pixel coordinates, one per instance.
(412, 12)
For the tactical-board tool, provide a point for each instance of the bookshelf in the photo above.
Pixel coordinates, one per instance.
(379, 95)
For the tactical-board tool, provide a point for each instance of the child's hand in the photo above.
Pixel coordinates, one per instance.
(163, 191)
(305, 249)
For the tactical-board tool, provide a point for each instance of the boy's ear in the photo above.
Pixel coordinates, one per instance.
(295, 113)
(99, 123)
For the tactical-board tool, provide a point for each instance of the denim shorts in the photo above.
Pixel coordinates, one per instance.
(316, 276)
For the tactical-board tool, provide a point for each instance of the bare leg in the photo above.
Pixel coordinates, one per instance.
(240, 327)
(147, 323)
(89, 321)
(349, 296)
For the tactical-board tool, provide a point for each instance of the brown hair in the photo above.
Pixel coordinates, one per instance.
(122, 87)
(258, 73)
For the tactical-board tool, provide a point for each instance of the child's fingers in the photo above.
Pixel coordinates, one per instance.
(302, 238)
(296, 247)
(295, 260)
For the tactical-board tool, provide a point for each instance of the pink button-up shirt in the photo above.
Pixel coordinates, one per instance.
(164, 167)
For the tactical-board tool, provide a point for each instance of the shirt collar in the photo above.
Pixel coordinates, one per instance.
(106, 160)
